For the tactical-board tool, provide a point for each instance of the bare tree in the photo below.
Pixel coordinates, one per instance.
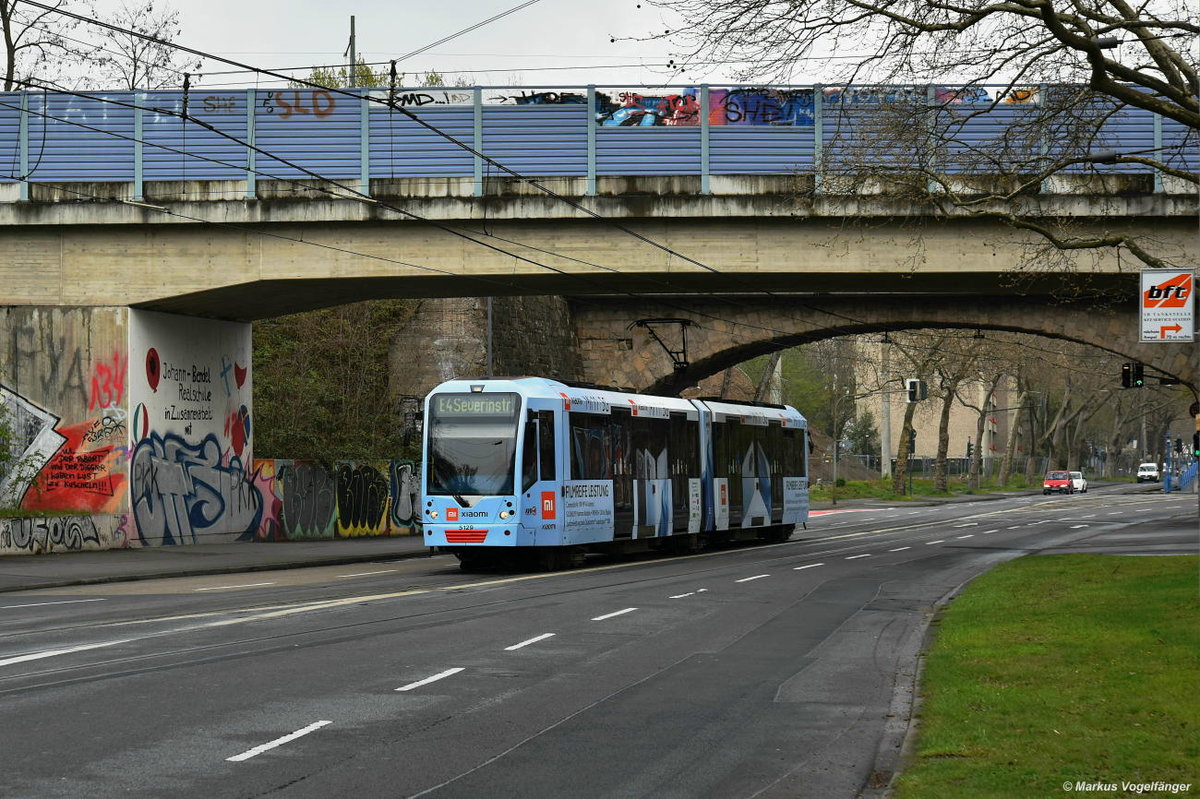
(1064, 69)
(132, 61)
(39, 42)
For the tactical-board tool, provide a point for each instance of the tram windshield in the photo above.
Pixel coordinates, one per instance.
(472, 443)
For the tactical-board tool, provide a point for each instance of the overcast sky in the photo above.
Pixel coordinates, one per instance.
(551, 42)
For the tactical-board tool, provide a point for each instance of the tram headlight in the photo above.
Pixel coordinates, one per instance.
(504, 514)
(433, 514)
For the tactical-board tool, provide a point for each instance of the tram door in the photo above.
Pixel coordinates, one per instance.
(540, 471)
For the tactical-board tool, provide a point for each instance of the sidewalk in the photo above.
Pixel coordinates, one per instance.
(24, 572)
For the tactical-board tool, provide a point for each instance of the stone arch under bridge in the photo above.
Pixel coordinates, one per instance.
(612, 350)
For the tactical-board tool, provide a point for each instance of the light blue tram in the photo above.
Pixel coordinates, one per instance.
(531, 465)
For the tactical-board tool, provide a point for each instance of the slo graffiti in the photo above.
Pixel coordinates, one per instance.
(183, 491)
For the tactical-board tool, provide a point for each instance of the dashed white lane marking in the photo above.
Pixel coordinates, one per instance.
(533, 640)
(56, 652)
(439, 676)
(968, 524)
(856, 557)
(681, 596)
(1089, 516)
(989, 532)
(1078, 526)
(939, 541)
(809, 566)
(899, 549)
(258, 750)
(40, 604)
(615, 613)
(367, 574)
(231, 587)
(1116, 513)
(961, 537)
(1014, 527)
(755, 577)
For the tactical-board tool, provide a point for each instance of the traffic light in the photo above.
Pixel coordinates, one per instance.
(1196, 445)
(1179, 445)
(917, 390)
(912, 442)
(970, 448)
(1132, 375)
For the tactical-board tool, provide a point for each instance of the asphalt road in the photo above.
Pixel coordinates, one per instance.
(764, 671)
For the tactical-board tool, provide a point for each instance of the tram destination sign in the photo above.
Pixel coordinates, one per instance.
(1168, 305)
(474, 405)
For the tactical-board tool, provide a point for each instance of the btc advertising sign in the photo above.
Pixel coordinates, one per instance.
(1168, 305)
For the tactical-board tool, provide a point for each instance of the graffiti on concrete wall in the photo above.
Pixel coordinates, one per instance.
(189, 476)
(304, 500)
(299, 500)
(405, 486)
(181, 491)
(45, 534)
(32, 442)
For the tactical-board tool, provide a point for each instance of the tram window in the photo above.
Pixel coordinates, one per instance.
(529, 453)
(546, 444)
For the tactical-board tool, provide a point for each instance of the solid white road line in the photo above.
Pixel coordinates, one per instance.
(367, 574)
(258, 750)
(41, 604)
(899, 549)
(533, 640)
(617, 613)
(809, 566)
(229, 587)
(56, 652)
(856, 557)
(427, 680)
(755, 577)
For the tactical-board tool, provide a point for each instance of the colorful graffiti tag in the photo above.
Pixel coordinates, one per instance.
(182, 491)
(304, 500)
(750, 106)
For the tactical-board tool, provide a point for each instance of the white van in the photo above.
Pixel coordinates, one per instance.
(1148, 473)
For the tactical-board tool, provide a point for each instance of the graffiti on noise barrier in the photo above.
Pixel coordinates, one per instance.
(305, 500)
(44, 534)
(749, 107)
(181, 492)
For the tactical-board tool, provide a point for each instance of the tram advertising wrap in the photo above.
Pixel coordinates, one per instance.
(532, 464)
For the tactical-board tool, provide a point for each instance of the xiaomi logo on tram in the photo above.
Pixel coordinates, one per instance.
(451, 514)
(548, 501)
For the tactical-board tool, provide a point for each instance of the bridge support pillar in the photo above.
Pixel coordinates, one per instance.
(529, 336)
(141, 415)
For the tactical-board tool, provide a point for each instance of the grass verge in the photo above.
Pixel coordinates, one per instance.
(1059, 669)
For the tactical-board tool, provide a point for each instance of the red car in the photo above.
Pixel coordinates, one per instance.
(1058, 481)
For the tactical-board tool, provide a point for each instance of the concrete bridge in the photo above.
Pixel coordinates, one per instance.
(129, 277)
